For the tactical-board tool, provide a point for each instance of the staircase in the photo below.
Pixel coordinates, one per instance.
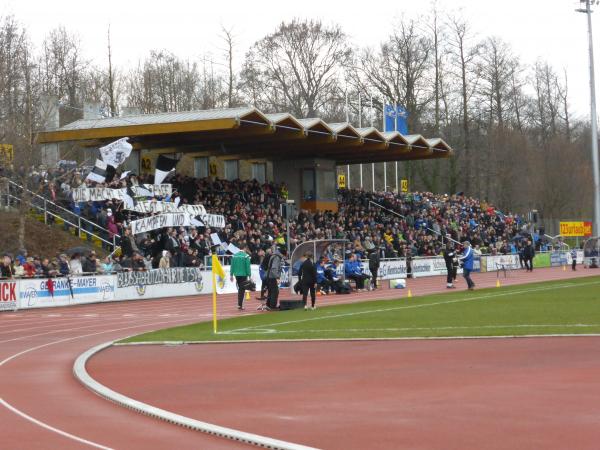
(52, 214)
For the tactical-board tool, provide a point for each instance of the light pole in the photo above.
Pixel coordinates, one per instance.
(594, 123)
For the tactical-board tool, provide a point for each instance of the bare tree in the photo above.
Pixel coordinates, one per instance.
(111, 79)
(297, 66)
(464, 62)
(228, 39)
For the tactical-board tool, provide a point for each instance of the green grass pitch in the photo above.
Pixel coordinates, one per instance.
(560, 307)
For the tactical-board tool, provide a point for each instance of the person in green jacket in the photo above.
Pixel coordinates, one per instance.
(240, 269)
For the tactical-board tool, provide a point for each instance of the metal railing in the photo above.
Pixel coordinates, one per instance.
(70, 218)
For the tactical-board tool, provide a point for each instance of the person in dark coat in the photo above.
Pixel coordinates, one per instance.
(374, 263)
(262, 270)
(126, 244)
(528, 254)
(308, 279)
(449, 258)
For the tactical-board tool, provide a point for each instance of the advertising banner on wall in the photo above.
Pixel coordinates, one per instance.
(541, 260)
(9, 295)
(576, 229)
(396, 268)
(43, 292)
(500, 262)
(161, 282)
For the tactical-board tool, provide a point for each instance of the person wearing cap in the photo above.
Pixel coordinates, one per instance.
(467, 263)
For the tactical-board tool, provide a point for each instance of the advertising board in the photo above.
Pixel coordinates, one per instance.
(154, 283)
(499, 262)
(43, 292)
(9, 295)
(576, 229)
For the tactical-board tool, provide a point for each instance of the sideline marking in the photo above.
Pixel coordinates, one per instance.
(421, 305)
(360, 339)
(103, 391)
(266, 331)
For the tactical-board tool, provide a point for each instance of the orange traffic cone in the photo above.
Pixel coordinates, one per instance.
(409, 294)
(497, 282)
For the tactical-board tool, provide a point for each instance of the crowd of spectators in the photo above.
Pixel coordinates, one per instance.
(411, 224)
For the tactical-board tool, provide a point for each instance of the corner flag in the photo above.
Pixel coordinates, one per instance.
(217, 271)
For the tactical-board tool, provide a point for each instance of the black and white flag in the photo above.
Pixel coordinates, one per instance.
(164, 165)
(116, 152)
(98, 173)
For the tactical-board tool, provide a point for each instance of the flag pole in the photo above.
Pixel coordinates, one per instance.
(396, 162)
(214, 280)
(360, 126)
(347, 121)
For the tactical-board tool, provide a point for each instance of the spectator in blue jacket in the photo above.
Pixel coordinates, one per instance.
(354, 271)
(467, 263)
(323, 284)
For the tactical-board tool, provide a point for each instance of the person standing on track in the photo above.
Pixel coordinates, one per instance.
(262, 270)
(273, 275)
(528, 254)
(308, 278)
(449, 256)
(240, 269)
(467, 263)
(374, 263)
(574, 259)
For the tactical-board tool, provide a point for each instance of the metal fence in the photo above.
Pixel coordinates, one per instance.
(13, 194)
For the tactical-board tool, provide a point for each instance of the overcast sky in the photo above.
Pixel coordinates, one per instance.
(547, 29)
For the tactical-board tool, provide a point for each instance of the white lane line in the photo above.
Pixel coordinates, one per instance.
(50, 332)
(51, 428)
(43, 424)
(420, 305)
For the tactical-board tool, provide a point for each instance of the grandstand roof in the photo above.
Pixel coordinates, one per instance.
(249, 133)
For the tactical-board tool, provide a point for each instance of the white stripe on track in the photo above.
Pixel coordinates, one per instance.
(51, 428)
(72, 338)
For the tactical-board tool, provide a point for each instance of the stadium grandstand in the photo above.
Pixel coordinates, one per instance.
(243, 165)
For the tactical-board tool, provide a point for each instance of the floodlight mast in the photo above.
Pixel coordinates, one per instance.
(593, 119)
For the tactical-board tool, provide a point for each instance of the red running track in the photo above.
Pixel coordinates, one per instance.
(526, 393)
(43, 407)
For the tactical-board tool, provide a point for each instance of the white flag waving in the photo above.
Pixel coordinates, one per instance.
(98, 173)
(164, 166)
(116, 152)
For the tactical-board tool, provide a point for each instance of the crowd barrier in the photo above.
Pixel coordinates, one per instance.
(185, 281)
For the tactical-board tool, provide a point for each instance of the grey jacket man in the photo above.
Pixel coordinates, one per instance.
(275, 266)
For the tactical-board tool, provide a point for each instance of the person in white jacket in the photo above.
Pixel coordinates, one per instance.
(75, 264)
